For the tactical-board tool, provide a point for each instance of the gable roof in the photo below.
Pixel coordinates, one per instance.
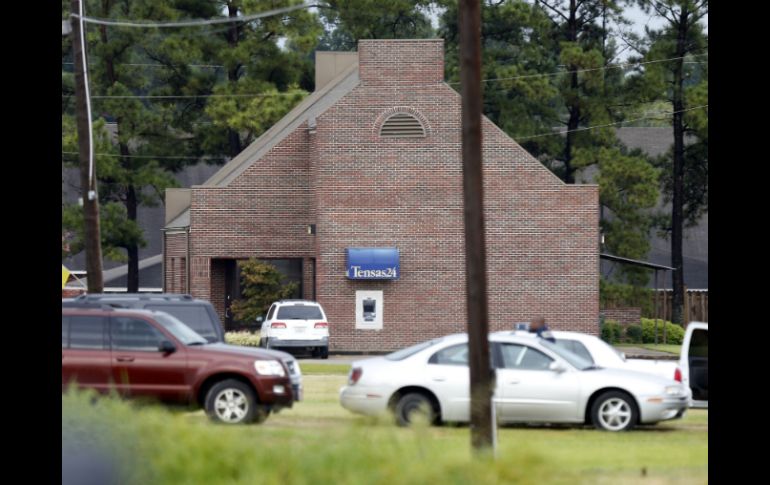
(311, 107)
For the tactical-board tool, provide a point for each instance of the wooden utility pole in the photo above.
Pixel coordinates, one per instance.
(482, 382)
(93, 245)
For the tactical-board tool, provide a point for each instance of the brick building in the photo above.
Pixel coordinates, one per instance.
(372, 159)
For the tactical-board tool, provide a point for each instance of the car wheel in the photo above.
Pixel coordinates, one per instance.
(323, 352)
(414, 407)
(266, 342)
(233, 402)
(614, 411)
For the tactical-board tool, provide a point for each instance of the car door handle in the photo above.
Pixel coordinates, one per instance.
(439, 379)
(125, 358)
(514, 381)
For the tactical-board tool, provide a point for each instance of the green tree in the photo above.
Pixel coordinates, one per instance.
(682, 82)
(148, 139)
(347, 21)
(549, 64)
(261, 285)
(254, 63)
(117, 232)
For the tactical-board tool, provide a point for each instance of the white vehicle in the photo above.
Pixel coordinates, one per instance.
(296, 324)
(694, 363)
(536, 382)
(597, 351)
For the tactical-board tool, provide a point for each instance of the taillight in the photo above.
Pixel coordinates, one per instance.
(277, 325)
(678, 375)
(355, 375)
(321, 325)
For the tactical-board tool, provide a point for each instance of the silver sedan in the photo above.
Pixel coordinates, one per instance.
(536, 382)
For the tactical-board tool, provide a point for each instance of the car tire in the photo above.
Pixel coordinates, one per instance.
(414, 407)
(614, 411)
(323, 352)
(265, 342)
(234, 402)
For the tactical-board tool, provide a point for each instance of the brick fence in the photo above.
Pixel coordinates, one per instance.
(625, 315)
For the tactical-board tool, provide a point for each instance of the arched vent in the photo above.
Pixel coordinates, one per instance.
(402, 125)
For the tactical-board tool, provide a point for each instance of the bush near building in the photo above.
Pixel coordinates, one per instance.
(244, 338)
(674, 333)
(611, 332)
(634, 334)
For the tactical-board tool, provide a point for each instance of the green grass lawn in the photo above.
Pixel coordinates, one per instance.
(319, 442)
(669, 348)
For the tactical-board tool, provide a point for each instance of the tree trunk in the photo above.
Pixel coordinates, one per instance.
(573, 103)
(677, 210)
(233, 138)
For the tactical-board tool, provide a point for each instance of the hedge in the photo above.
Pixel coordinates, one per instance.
(612, 332)
(244, 338)
(674, 333)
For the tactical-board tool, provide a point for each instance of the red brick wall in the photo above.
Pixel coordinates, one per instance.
(624, 315)
(407, 193)
(175, 263)
(364, 191)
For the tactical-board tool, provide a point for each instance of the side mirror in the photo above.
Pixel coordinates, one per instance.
(166, 347)
(259, 321)
(623, 356)
(557, 367)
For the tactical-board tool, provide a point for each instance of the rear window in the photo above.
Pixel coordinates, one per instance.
(575, 347)
(699, 343)
(300, 312)
(409, 351)
(194, 316)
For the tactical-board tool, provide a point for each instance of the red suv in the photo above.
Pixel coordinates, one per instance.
(152, 354)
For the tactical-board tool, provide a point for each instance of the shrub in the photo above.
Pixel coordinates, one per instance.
(245, 338)
(611, 332)
(261, 285)
(634, 334)
(674, 333)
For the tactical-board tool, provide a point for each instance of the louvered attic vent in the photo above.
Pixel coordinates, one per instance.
(402, 125)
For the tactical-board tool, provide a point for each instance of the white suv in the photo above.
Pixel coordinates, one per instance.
(296, 324)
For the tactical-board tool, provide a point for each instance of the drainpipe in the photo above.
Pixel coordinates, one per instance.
(163, 261)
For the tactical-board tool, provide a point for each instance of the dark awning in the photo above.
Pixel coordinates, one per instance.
(634, 262)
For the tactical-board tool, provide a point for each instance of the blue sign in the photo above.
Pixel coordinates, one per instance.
(372, 263)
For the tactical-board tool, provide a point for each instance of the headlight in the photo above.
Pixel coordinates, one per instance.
(269, 368)
(674, 391)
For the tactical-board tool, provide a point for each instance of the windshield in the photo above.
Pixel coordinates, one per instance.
(409, 351)
(182, 332)
(571, 357)
(300, 312)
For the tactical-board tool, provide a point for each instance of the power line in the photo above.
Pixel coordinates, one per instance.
(207, 66)
(194, 96)
(193, 23)
(517, 138)
(610, 66)
(152, 156)
(191, 96)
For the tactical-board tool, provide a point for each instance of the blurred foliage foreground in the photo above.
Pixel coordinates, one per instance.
(318, 442)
